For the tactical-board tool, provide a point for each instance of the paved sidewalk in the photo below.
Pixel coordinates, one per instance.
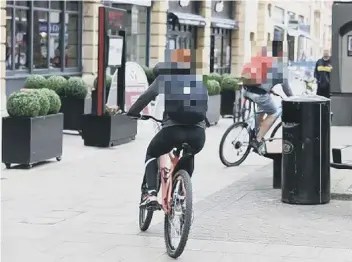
(85, 208)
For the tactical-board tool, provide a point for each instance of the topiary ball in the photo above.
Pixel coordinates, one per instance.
(23, 104)
(58, 84)
(54, 100)
(213, 87)
(108, 81)
(215, 76)
(43, 101)
(35, 82)
(229, 83)
(76, 88)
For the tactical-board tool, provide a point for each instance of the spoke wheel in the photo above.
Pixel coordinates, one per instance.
(177, 223)
(236, 138)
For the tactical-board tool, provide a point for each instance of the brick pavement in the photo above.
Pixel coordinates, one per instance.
(85, 209)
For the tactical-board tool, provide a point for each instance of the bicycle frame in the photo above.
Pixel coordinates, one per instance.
(166, 179)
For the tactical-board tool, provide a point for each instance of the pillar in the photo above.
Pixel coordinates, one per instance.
(90, 40)
(158, 32)
(203, 41)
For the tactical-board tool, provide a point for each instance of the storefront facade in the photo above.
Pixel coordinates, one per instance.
(183, 21)
(222, 25)
(42, 37)
(137, 29)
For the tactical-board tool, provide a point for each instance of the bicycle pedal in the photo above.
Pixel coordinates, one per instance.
(154, 207)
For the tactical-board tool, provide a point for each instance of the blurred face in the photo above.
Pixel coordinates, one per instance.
(326, 55)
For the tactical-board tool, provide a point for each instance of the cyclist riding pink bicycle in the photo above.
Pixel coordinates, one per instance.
(184, 119)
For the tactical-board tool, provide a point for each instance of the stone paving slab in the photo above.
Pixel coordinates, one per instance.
(84, 208)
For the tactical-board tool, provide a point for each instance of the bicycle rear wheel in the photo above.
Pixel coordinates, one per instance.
(178, 221)
(240, 146)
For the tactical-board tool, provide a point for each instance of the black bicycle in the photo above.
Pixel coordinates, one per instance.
(248, 128)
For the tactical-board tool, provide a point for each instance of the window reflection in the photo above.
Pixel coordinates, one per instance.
(71, 40)
(40, 39)
(8, 51)
(20, 41)
(54, 41)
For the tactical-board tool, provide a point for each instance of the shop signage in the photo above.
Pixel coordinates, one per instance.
(135, 84)
(184, 3)
(54, 28)
(219, 6)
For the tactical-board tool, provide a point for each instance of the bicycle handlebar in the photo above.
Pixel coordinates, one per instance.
(146, 117)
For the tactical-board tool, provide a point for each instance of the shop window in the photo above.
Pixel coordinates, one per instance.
(136, 32)
(220, 52)
(181, 36)
(43, 35)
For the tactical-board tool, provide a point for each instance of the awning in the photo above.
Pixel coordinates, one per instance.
(187, 19)
(296, 33)
(224, 23)
(280, 26)
(134, 2)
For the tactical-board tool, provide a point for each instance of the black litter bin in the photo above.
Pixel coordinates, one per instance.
(306, 150)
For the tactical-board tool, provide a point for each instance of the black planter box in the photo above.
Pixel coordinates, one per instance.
(228, 98)
(73, 109)
(213, 113)
(31, 140)
(107, 131)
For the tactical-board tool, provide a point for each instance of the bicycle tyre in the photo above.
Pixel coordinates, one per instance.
(246, 110)
(171, 251)
(144, 223)
(222, 142)
(275, 130)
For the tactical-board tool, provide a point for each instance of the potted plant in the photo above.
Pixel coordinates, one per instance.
(108, 80)
(111, 129)
(35, 82)
(32, 132)
(215, 76)
(229, 85)
(73, 95)
(213, 113)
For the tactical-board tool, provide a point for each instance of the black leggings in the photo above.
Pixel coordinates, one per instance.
(163, 142)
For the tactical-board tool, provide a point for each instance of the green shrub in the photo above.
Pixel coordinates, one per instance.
(149, 74)
(23, 104)
(215, 76)
(213, 87)
(223, 76)
(76, 88)
(229, 83)
(58, 84)
(54, 100)
(108, 81)
(43, 102)
(35, 82)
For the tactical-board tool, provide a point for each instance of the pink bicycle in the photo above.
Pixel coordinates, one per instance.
(176, 201)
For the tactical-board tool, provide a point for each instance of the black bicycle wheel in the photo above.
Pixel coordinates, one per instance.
(145, 218)
(181, 213)
(236, 144)
(274, 131)
(246, 110)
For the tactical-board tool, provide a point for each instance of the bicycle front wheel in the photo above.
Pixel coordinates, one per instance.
(177, 222)
(236, 138)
